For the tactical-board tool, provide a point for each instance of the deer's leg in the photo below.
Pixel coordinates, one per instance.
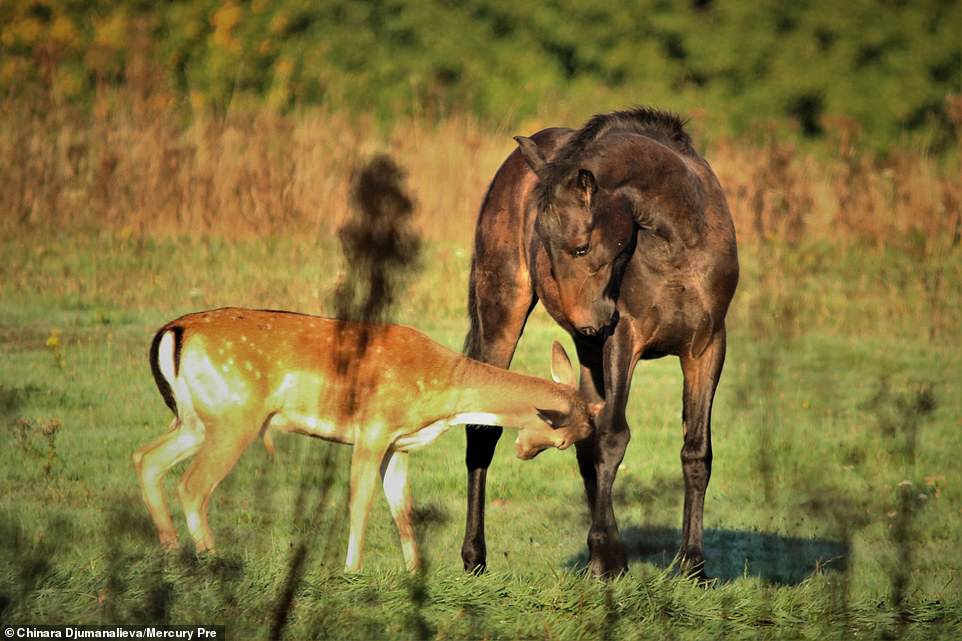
(365, 463)
(701, 378)
(496, 323)
(216, 458)
(397, 490)
(606, 553)
(152, 462)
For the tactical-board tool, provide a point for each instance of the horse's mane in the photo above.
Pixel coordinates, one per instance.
(664, 126)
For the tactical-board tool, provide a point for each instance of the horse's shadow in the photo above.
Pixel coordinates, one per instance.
(732, 554)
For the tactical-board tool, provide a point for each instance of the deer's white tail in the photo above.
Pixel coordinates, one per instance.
(163, 364)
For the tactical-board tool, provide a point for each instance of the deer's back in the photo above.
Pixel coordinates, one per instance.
(331, 369)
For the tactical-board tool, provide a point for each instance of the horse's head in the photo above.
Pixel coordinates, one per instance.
(588, 234)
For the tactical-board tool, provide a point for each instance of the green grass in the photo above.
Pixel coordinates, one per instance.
(833, 508)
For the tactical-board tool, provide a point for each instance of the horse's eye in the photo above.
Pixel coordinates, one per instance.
(580, 251)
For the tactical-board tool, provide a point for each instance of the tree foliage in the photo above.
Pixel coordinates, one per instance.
(887, 66)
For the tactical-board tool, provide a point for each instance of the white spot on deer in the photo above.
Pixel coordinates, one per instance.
(248, 366)
(193, 524)
(186, 440)
(243, 339)
(287, 384)
(204, 380)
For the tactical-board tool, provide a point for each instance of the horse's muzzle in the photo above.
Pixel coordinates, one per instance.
(603, 331)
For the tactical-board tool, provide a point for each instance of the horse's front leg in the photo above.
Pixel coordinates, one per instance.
(600, 455)
(701, 378)
(496, 325)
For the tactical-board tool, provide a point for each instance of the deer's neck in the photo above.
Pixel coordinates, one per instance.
(484, 388)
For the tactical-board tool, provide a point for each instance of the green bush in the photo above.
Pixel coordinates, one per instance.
(886, 68)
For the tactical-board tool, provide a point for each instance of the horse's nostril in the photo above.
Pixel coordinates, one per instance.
(613, 320)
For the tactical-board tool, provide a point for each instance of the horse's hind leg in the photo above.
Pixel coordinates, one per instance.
(701, 378)
(499, 306)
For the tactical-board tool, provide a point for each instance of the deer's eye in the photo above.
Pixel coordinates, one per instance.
(580, 251)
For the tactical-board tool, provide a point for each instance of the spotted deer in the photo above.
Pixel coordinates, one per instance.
(231, 375)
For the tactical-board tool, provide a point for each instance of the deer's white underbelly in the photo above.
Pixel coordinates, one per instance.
(424, 436)
(430, 433)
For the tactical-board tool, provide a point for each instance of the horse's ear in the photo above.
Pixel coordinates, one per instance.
(561, 370)
(532, 155)
(587, 185)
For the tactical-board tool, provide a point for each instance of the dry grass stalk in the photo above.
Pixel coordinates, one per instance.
(142, 168)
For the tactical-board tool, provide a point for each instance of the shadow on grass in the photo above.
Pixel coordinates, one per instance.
(732, 554)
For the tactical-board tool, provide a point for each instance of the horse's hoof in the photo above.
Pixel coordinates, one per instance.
(474, 558)
(607, 568)
(692, 566)
(606, 558)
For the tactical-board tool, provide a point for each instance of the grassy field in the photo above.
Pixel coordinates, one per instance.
(834, 506)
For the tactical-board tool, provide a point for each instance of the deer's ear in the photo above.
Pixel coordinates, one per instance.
(561, 371)
(554, 418)
(595, 409)
(532, 155)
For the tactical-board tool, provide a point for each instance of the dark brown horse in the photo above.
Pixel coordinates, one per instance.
(622, 231)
